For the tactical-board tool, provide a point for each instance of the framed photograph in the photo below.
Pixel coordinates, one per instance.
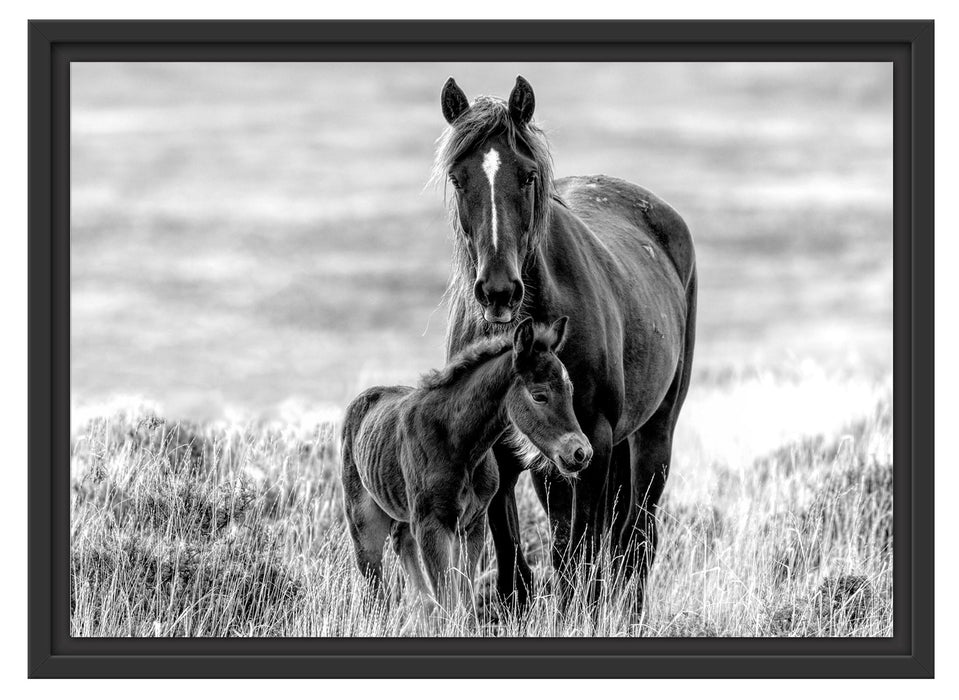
(481, 349)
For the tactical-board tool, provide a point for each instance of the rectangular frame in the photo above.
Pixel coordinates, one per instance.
(53, 45)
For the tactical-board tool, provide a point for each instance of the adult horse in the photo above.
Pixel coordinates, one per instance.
(619, 262)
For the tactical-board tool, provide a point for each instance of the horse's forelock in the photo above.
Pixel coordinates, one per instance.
(485, 117)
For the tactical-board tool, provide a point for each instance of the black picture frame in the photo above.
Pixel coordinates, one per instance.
(54, 45)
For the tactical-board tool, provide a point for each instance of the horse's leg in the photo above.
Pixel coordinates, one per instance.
(612, 508)
(651, 450)
(514, 580)
(555, 493)
(405, 547)
(587, 499)
(618, 492)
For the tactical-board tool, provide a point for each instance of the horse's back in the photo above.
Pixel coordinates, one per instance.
(608, 204)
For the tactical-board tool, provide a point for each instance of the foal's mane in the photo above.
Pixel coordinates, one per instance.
(479, 351)
(486, 117)
(465, 361)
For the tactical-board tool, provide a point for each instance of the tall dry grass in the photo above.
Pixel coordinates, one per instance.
(221, 530)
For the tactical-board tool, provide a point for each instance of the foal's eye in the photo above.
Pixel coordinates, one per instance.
(540, 396)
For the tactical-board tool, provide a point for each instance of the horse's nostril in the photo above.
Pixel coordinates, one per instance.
(579, 455)
(479, 293)
(517, 294)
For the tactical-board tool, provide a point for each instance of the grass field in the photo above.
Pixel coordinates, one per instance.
(252, 245)
(181, 529)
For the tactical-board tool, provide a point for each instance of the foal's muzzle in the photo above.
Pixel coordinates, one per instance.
(574, 454)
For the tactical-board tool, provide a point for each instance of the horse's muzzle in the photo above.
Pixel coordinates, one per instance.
(499, 297)
(503, 314)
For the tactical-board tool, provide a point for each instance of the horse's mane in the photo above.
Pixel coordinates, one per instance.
(465, 361)
(486, 117)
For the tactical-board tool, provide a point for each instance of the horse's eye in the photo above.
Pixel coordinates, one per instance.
(530, 179)
(540, 396)
(455, 182)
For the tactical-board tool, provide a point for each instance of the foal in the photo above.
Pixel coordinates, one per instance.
(417, 462)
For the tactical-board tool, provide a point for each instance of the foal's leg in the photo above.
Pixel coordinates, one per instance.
(405, 547)
(369, 527)
(475, 544)
(436, 544)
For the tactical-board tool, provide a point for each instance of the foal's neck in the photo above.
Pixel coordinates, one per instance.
(476, 406)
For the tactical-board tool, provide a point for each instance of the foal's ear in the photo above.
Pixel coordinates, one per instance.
(559, 333)
(521, 101)
(453, 100)
(523, 338)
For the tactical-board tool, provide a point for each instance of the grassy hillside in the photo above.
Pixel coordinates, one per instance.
(216, 529)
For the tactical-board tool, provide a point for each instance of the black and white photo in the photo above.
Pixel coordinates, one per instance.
(481, 349)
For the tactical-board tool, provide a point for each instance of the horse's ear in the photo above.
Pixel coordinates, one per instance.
(523, 338)
(453, 100)
(521, 101)
(559, 333)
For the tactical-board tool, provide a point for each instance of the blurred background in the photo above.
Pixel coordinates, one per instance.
(257, 239)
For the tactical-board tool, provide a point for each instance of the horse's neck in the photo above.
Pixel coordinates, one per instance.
(557, 266)
(477, 404)
(538, 275)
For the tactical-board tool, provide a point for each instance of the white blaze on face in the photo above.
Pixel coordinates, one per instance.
(490, 166)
